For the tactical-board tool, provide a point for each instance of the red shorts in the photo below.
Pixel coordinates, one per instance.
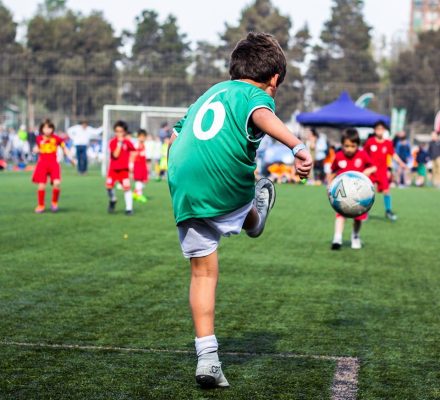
(120, 176)
(45, 169)
(381, 180)
(140, 172)
(362, 217)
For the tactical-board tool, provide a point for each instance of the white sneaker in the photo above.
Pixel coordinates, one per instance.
(263, 201)
(356, 243)
(209, 374)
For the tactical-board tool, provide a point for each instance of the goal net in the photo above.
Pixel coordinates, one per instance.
(137, 117)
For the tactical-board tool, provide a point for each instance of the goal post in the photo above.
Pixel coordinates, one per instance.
(148, 118)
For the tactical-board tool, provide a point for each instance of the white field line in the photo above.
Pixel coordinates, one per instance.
(344, 386)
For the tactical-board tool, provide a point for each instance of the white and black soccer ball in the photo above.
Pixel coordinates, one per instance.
(351, 194)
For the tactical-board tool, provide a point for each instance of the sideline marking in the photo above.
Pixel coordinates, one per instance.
(344, 385)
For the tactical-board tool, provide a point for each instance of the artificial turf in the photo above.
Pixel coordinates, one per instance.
(73, 278)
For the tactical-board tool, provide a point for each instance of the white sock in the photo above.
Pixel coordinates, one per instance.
(138, 187)
(337, 238)
(128, 196)
(206, 344)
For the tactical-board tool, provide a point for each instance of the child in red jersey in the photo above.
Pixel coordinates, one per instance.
(350, 158)
(118, 171)
(380, 151)
(46, 147)
(139, 165)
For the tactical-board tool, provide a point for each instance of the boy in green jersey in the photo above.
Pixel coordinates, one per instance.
(211, 169)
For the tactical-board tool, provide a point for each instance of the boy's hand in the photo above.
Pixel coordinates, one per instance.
(73, 162)
(303, 163)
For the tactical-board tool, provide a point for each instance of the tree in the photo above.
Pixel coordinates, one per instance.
(10, 52)
(263, 16)
(344, 60)
(162, 54)
(416, 78)
(52, 8)
(71, 60)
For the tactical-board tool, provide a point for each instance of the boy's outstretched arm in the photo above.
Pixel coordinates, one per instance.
(269, 123)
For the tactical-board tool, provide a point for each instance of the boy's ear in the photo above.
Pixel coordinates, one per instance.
(274, 80)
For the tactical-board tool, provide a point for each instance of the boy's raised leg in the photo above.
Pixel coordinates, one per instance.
(204, 277)
(263, 203)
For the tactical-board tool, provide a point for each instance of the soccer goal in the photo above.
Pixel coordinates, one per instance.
(148, 118)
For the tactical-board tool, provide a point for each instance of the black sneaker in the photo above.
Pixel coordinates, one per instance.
(391, 216)
(111, 207)
(128, 212)
(336, 246)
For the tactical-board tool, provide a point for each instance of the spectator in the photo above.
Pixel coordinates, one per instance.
(434, 155)
(319, 149)
(403, 150)
(421, 159)
(81, 136)
(164, 131)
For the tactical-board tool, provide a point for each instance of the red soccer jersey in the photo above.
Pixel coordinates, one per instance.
(120, 163)
(47, 146)
(379, 152)
(140, 153)
(359, 162)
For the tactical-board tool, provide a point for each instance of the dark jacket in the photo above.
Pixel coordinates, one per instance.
(434, 149)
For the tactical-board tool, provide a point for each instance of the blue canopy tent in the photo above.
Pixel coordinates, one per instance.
(343, 112)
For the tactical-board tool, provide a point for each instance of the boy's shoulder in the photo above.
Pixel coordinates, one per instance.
(238, 87)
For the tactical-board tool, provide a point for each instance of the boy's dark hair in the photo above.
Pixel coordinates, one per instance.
(352, 135)
(258, 57)
(121, 124)
(47, 122)
(380, 123)
(142, 132)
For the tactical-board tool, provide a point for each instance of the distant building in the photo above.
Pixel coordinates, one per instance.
(425, 16)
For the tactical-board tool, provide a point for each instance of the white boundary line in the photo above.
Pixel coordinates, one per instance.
(345, 381)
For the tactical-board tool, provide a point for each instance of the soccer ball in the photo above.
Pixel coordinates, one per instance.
(351, 194)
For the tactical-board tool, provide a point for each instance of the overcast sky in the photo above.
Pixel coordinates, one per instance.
(204, 19)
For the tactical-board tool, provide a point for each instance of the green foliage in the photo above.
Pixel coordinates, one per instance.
(344, 55)
(52, 8)
(159, 51)
(72, 278)
(10, 54)
(263, 16)
(8, 29)
(416, 74)
(70, 44)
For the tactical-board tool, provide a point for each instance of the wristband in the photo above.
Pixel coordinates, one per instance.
(298, 148)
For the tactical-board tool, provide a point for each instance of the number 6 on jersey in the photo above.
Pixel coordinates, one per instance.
(217, 120)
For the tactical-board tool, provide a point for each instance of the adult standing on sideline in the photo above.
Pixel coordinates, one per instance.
(81, 135)
(434, 154)
(164, 131)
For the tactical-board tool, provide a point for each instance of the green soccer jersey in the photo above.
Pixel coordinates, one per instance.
(212, 161)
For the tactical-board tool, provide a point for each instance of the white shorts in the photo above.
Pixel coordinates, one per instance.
(200, 237)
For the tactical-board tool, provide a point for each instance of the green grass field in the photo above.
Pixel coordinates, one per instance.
(72, 279)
